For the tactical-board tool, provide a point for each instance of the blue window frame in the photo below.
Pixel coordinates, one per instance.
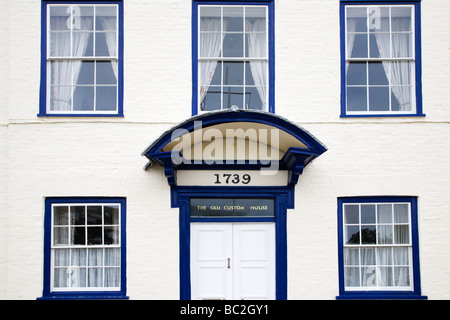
(81, 58)
(233, 55)
(378, 248)
(380, 58)
(84, 248)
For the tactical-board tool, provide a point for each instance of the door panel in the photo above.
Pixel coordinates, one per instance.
(254, 261)
(233, 261)
(211, 246)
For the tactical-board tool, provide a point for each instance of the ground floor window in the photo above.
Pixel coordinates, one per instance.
(85, 247)
(378, 246)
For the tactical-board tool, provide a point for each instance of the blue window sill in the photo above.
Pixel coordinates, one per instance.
(383, 115)
(85, 296)
(385, 295)
(42, 115)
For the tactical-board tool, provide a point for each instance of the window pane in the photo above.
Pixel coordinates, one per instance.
(111, 214)
(210, 44)
(78, 276)
(86, 75)
(368, 234)
(351, 214)
(61, 72)
(210, 18)
(357, 73)
(60, 215)
(401, 213)
(105, 18)
(112, 277)
(401, 18)
(352, 277)
(384, 212)
(105, 73)
(77, 215)
(368, 256)
(253, 14)
(358, 48)
(401, 233)
(82, 44)
(352, 235)
(59, 44)
(253, 99)
(377, 74)
(385, 277)
(233, 73)
(106, 98)
(94, 236)
(378, 19)
(401, 276)
(111, 235)
(356, 19)
(95, 277)
(356, 99)
(78, 235)
(379, 98)
(255, 45)
(384, 256)
(59, 17)
(105, 44)
(233, 96)
(83, 17)
(402, 45)
(95, 257)
(83, 98)
(94, 215)
(62, 257)
(401, 256)
(60, 277)
(351, 257)
(385, 234)
(60, 236)
(212, 100)
(233, 17)
(112, 257)
(233, 45)
(368, 213)
(78, 257)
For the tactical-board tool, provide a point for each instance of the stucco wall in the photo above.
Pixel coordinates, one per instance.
(43, 157)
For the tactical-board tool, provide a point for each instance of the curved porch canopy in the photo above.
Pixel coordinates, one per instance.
(235, 139)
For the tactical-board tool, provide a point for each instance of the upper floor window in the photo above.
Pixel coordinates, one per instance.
(381, 48)
(233, 56)
(84, 247)
(378, 247)
(81, 64)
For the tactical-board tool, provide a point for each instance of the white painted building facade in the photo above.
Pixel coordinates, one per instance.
(56, 160)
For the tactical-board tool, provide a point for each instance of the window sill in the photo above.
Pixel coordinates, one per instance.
(385, 295)
(84, 296)
(382, 115)
(68, 115)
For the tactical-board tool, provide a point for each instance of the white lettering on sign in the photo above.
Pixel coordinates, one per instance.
(230, 178)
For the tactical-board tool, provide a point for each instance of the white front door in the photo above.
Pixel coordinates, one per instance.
(233, 261)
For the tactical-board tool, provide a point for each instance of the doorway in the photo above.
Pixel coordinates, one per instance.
(233, 261)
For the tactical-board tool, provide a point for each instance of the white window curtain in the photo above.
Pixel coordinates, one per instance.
(257, 49)
(110, 24)
(210, 47)
(65, 73)
(87, 268)
(399, 74)
(351, 28)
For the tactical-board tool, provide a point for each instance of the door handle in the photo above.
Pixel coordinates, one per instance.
(229, 266)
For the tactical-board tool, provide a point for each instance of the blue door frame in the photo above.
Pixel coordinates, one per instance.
(284, 199)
